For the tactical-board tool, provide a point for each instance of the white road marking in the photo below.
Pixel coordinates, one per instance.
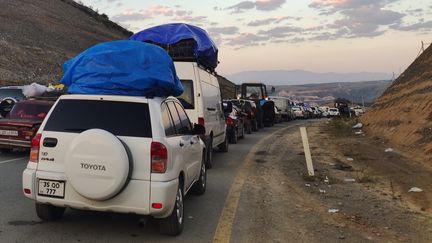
(11, 160)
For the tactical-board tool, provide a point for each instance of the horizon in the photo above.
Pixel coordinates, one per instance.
(320, 36)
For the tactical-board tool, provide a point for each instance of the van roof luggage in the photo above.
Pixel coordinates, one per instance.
(183, 42)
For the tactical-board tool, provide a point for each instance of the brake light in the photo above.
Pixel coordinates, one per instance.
(157, 205)
(201, 121)
(34, 150)
(229, 121)
(159, 157)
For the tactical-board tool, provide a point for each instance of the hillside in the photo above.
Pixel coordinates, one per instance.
(403, 114)
(325, 93)
(297, 77)
(37, 36)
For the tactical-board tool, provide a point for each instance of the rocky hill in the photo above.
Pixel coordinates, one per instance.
(37, 36)
(403, 114)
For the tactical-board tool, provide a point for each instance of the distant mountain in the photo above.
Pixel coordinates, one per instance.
(358, 92)
(294, 77)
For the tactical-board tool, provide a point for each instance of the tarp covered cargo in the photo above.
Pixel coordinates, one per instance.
(183, 42)
(122, 68)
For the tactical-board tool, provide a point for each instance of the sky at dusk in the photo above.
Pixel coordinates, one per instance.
(316, 35)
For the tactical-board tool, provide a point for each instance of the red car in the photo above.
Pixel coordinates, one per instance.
(21, 124)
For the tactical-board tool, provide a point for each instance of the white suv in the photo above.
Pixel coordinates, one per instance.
(118, 154)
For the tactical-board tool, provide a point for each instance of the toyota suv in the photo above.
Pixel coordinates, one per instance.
(116, 154)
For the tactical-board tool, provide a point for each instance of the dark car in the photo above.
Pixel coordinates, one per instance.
(235, 121)
(22, 123)
(250, 109)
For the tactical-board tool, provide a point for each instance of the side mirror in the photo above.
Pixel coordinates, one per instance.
(198, 129)
(6, 106)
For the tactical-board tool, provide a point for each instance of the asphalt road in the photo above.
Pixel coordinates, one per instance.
(19, 223)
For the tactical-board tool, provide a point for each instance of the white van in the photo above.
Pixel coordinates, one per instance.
(203, 104)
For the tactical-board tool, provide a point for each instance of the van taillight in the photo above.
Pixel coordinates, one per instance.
(34, 150)
(159, 157)
(201, 121)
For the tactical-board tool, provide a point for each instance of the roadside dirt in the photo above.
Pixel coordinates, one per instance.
(279, 203)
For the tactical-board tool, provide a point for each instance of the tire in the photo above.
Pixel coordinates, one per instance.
(199, 187)
(49, 212)
(173, 224)
(249, 129)
(209, 157)
(254, 125)
(242, 132)
(224, 146)
(6, 150)
(233, 137)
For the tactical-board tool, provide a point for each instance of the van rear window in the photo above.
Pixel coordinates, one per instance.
(119, 118)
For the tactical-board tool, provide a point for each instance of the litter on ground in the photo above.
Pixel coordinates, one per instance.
(357, 126)
(388, 150)
(333, 210)
(350, 159)
(415, 189)
(349, 180)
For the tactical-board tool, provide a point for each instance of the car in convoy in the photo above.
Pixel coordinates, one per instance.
(333, 112)
(298, 112)
(283, 105)
(236, 122)
(115, 153)
(248, 107)
(21, 124)
(203, 103)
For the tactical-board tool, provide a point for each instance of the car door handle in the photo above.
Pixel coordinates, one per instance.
(211, 109)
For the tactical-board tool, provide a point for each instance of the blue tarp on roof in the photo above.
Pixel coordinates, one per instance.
(122, 68)
(206, 52)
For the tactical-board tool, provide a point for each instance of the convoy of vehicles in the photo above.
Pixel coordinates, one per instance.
(84, 155)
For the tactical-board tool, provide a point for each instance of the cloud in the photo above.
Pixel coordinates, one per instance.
(229, 30)
(280, 32)
(190, 19)
(268, 21)
(153, 11)
(262, 5)
(246, 39)
(421, 26)
(366, 18)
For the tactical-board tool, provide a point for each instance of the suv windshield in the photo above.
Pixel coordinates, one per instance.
(119, 118)
(28, 110)
(187, 98)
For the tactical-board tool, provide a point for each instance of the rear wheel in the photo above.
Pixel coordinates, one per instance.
(200, 186)
(233, 137)
(224, 146)
(173, 224)
(49, 212)
(254, 125)
(242, 132)
(249, 128)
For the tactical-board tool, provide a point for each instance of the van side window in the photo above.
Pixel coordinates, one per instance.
(175, 117)
(167, 121)
(186, 126)
(187, 97)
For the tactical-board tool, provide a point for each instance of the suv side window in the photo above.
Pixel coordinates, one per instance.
(186, 126)
(175, 117)
(167, 121)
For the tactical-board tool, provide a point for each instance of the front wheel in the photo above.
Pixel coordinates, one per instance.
(224, 146)
(209, 160)
(173, 224)
(49, 212)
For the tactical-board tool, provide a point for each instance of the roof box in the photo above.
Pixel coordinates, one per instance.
(183, 42)
(122, 68)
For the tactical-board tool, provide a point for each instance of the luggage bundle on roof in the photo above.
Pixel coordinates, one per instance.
(122, 68)
(183, 42)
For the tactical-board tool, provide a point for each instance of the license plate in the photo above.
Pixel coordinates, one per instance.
(8, 133)
(51, 188)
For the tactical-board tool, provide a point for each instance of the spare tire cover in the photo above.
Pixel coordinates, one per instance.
(97, 164)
